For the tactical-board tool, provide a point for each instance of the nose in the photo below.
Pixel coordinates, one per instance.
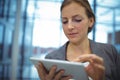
(70, 24)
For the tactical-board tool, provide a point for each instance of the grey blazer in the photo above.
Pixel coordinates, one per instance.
(106, 51)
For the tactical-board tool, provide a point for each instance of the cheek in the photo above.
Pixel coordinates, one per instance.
(63, 27)
(82, 27)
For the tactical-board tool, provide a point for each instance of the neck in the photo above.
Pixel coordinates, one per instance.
(80, 48)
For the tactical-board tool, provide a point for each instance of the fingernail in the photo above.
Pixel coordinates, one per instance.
(62, 71)
(54, 66)
(37, 65)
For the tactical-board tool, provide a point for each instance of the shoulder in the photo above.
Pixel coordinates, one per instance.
(104, 50)
(58, 53)
(102, 46)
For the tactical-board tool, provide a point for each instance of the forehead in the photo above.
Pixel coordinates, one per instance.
(73, 9)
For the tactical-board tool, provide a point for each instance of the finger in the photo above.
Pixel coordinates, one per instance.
(52, 72)
(90, 58)
(95, 70)
(99, 68)
(69, 77)
(41, 70)
(97, 59)
(100, 72)
(83, 58)
(95, 67)
(59, 74)
(102, 67)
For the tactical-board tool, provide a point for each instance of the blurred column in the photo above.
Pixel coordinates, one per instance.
(94, 28)
(15, 45)
(114, 28)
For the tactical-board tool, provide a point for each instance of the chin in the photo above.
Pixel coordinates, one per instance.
(73, 40)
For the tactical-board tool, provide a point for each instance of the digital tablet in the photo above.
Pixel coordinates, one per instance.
(77, 70)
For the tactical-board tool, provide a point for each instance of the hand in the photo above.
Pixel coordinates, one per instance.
(95, 69)
(52, 74)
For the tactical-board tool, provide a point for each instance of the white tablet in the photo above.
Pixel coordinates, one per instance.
(77, 70)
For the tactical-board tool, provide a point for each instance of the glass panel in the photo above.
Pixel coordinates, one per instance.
(1, 33)
(109, 3)
(101, 29)
(117, 13)
(46, 32)
(1, 41)
(104, 15)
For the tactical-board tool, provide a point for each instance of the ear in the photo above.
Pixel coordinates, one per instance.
(91, 22)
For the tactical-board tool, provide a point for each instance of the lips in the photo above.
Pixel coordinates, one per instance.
(72, 34)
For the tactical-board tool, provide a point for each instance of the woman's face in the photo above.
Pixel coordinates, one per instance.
(75, 22)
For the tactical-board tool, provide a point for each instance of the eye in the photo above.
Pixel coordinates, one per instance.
(64, 21)
(77, 20)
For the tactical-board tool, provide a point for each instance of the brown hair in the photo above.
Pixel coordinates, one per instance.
(83, 3)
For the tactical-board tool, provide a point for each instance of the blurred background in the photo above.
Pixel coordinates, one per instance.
(33, 28)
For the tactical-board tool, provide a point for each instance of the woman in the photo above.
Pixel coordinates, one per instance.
(77, 21)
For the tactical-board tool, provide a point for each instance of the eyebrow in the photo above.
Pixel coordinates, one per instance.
(73, 16)
(76, 16)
